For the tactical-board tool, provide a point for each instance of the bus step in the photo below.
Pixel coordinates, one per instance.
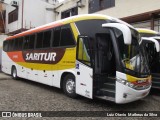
(111, 80)
(109, 85)
(106, 98)
(108, 92)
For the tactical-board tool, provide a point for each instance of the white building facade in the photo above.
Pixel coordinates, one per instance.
(22, 15)
(139, 13)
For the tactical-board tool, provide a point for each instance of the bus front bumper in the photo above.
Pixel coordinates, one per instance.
(125, 94)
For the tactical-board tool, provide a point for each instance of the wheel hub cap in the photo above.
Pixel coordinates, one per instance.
(70, 86)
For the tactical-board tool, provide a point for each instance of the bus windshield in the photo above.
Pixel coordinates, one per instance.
(132, 56)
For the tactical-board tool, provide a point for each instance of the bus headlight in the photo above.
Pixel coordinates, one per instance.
(129, 84)
(124, 82)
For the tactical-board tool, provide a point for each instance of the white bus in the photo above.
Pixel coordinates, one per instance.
(151, 42)
(89, 55)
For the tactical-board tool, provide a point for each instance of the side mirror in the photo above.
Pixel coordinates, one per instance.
(150, 39)
(123, 28)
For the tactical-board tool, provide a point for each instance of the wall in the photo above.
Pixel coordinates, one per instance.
(68, 4)
(124, 8)
(2, 38)
(34, 14)
(16, 24)
(1, 19)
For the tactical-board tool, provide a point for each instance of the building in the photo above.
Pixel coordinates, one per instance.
(139, 13)
(2, 18)
(70, 8)
(22, 15)
(2, 27)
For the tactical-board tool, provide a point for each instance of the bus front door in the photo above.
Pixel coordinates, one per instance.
(84, 71)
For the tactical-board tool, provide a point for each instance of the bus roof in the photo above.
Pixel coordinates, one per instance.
(143, 30)
(66, 21)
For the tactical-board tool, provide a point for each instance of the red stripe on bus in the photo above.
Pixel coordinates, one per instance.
(16, 56)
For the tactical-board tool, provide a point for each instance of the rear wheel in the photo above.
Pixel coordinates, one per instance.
(14, 73)
(69, 86)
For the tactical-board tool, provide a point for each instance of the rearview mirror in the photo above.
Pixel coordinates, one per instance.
(150, 39)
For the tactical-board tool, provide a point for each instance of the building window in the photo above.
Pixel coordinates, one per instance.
(13, 16)
(97, 5)
(70, 12)
(101, 4)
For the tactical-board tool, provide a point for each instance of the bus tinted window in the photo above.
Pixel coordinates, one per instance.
(26, 43)
(5, 45)
(66, 36)
(31, 42)
(83, 51)
(11, 45)
(47, 38)
(16, 44)
(56, 37)
(20, 43)
(39, 42)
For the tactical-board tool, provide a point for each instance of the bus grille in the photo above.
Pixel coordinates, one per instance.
(138, 87)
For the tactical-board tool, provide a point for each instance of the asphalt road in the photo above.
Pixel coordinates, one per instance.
(25, 95)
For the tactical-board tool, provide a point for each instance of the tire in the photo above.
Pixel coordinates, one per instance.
(69, 86)
(14, 73)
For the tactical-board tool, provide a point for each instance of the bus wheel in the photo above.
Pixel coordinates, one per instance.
(14, 73)
(69, 86)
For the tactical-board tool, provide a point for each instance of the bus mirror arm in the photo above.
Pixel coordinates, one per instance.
(148, 40)
(123, 28)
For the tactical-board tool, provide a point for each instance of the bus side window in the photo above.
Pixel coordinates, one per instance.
(82, 51)
(16, 44)
(11, 45)
(26, 43)
(47, 39)
(5, 46)
(39, 41)
(56, 37)
(20, 43)
(66, 36)
(31, 42)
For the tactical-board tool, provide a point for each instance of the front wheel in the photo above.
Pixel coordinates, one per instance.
(69, 86)
(14, 73)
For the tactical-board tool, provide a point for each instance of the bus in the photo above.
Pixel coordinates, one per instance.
(153, 53)
(92, 55)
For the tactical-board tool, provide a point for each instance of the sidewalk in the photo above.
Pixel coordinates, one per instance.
(4, 76)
